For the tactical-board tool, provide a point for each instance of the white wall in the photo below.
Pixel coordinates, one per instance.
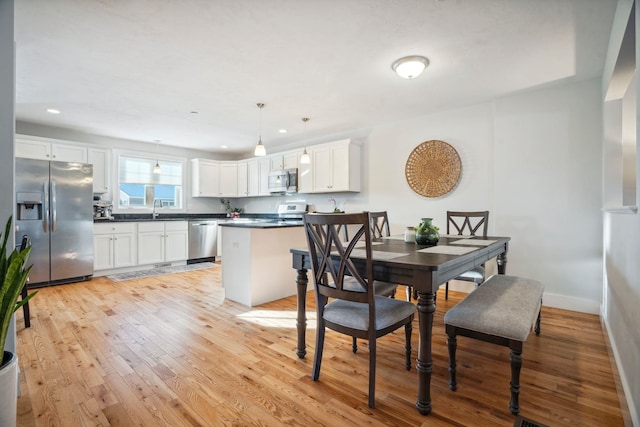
(621, 294)
(548, 187)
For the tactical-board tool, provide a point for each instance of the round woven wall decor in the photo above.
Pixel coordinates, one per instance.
(433, 168)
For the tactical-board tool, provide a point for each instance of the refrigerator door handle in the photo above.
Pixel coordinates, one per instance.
(45, 223)
(53, 206)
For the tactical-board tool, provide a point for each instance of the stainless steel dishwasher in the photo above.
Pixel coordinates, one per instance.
(203, 241)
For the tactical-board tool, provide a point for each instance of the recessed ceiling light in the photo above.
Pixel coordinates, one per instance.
(410, 67)
(282, 131)
(53, 111)
(224, 146)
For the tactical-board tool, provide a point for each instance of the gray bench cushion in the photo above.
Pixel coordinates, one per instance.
(504, 306)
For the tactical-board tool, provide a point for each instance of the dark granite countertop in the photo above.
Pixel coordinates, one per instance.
(256, 220)
(260, 223)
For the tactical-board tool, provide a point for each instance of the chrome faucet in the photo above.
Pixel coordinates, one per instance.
(159, 205)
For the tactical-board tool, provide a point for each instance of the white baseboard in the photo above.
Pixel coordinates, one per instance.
(633, 412)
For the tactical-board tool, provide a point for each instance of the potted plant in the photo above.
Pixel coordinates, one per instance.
(13, 276)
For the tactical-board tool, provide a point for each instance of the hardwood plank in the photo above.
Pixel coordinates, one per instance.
(169, 350)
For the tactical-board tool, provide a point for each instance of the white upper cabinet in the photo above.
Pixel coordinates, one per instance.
(211, 178)
(205, 178)
(228, 179)
(253, 178)
(264, 167)
(100, 159)
(335, 167)
(288, 160)
(243, 178)
(31, 147)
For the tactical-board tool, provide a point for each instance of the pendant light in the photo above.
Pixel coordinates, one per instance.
(260, 151)
(305, 159)
(156, 168)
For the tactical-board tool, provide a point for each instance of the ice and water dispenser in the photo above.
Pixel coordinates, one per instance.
(29, 206)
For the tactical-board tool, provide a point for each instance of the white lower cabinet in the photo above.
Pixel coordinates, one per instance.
(114, 245)
(162, 241)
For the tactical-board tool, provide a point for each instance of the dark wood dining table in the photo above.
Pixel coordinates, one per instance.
(422, 267)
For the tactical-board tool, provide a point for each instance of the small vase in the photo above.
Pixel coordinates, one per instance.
(426, 233)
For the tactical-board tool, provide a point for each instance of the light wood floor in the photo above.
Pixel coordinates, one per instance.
(169, 350)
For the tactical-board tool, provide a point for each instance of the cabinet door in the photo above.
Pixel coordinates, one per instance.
(305, 175)
(205, 178)
(264, 166)
(102, 251)
(100, 161)
(290, 160)
(322, 170)
(243, 179)
(277, 162)
(229, 179)
(340, 168)
(150, 248)
(124, 250)
(33, 149)
(68, 153)
(253, 178)
(176, 245)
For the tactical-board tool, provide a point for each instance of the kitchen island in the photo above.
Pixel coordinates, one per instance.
(257, 259)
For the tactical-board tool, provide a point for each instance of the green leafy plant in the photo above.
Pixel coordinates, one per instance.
(227, 205)
(14, 274)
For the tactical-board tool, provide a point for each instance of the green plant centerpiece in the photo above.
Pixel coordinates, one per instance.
(13, 273)
(427, 233)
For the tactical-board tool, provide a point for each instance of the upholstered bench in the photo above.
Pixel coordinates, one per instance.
(501, 311)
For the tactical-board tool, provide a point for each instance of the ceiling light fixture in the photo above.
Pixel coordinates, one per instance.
(260, 150)
(410, 67)
(156, 168)
(305, 159)
(53, 111)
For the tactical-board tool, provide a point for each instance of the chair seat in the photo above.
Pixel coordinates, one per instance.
(475, 275)
(356, 315)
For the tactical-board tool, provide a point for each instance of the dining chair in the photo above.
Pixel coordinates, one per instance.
(379, 229)
(469, 224)
(345, 297)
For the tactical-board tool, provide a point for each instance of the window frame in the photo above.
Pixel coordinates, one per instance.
(118, 154)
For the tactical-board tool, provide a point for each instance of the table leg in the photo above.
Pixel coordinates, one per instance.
(426, 308)
(301, 322)
(501, 260)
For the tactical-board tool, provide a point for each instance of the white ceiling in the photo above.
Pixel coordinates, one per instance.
(137, 69)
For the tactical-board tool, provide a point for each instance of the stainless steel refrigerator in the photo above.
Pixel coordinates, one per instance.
(54, 209)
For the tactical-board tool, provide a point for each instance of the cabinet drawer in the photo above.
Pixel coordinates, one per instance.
(176, 226)
(112, 228)
(151, 226)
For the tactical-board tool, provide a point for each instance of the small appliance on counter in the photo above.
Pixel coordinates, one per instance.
(102, 209)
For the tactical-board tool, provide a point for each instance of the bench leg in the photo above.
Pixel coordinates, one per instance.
(452, 344)
(537, 328)
(516, 364)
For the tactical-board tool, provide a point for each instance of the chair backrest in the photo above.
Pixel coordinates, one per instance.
(379, 224)
(331, 258)
(467, 223)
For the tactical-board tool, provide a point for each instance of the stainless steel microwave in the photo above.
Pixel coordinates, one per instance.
(283, 181)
